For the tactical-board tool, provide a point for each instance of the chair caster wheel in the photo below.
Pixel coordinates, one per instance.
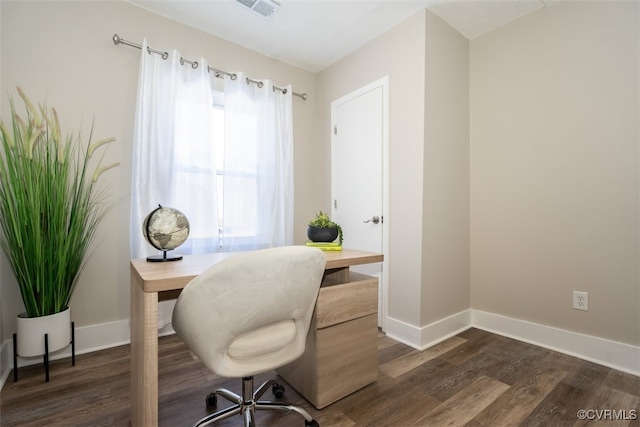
(278, 390)
(312, 423)
(211, 400)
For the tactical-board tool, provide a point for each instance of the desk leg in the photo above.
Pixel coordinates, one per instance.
(144, 356)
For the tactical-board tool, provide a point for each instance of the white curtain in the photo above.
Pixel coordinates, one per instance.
(174, 161)
(258, 164)
(172, 152)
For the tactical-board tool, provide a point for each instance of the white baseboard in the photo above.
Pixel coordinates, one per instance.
(402, 332)
(429, 335)
(6, 363)
(613, 354)
(616, 355)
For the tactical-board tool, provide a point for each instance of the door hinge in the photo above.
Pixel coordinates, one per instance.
(335, 130)
(335, 204)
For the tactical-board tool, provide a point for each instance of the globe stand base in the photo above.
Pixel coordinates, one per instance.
(164, 257)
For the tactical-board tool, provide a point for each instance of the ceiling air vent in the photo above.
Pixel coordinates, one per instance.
(264, 8)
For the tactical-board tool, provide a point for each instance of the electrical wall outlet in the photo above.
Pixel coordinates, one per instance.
(581, 300)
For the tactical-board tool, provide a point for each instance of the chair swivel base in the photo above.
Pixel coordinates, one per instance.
(248, 403)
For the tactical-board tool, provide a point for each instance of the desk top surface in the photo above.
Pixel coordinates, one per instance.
(166, 276)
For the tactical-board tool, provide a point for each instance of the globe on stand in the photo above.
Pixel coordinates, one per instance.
(165, 229)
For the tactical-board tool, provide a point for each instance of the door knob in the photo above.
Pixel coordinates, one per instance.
(375, 220)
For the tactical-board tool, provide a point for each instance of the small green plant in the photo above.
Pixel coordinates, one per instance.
(322, 220)
(49, 206)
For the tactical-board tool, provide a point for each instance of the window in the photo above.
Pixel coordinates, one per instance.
(201, 167)
(227, 165)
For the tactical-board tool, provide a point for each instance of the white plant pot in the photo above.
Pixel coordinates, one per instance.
(31, 330)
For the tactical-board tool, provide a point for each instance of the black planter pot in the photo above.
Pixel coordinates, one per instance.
(316, 234)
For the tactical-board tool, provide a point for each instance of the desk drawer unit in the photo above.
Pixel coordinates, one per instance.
(341, 354)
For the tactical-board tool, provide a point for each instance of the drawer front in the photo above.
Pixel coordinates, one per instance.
(347, 301)
(347, 359)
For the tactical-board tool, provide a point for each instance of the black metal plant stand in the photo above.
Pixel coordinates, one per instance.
(46, 354)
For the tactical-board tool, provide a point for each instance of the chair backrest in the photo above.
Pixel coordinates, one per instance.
(250, 313)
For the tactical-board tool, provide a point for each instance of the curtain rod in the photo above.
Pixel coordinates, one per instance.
(194, 64)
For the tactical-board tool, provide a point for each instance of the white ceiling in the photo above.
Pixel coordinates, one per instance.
(313, 34)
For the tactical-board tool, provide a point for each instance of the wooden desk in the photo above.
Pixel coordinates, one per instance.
(154, 282)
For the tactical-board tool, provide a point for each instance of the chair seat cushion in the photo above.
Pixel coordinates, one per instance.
(265, 340)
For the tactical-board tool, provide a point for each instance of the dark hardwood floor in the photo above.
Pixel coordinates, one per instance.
(474, 379)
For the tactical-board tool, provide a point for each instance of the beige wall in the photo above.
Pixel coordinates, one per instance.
(63, 51)
(445, 215)
(427, 65)
(399, 53)
(554, 168)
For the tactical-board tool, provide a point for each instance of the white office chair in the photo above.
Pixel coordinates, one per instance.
(247, 315)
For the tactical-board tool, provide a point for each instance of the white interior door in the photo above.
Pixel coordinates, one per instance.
(358, 175)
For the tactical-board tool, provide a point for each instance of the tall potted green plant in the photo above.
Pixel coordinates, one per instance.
(50, 209)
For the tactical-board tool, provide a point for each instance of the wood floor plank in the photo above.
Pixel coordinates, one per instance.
(468, 349)
(561, 405)
(384, 341)
(609, 407)
(516, 403)
(413, 407)
(496, 381)
(514, 359)
(335, 419)
(451, 379)
(384, 401)
(465, 405)
(405, 363)
(622, 381)
(391, 352)
(367, 402)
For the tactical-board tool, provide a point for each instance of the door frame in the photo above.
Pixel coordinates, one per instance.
(383, 83)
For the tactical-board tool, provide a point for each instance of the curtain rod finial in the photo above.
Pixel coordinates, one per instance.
(116, 39)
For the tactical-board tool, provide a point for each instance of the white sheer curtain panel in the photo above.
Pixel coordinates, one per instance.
(173, 158)
(258, 166)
